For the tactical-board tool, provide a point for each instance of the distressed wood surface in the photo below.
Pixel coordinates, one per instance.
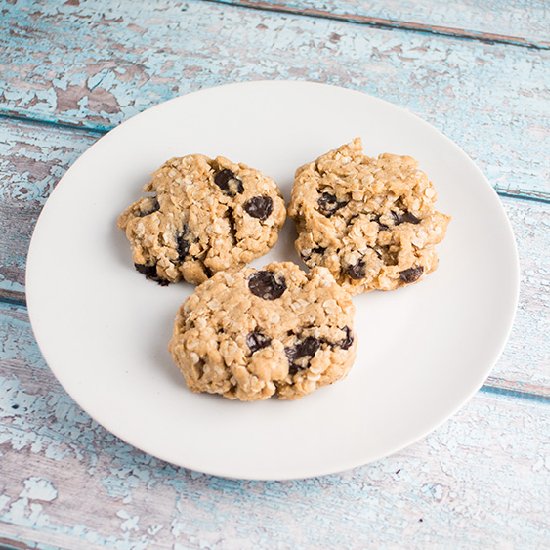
(32, 160)
(95, 65)
(508, 21)
(481, 480)
(34, 157)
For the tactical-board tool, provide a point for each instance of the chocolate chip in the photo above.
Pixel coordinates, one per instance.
(267, 285)
(411, 275)
(316, 250)
(356, 271)
(232, 229)
(150, 271)
(406, 217)
(152, 208)
(260, 207)
(228, 183)
(183, 244)
(347, 342)
(305, 348)
(256, 340)
(222, 179)
(328, 204)
(290, 354)
(292, 367)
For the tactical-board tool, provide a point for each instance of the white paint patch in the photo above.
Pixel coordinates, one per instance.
(39, 489)
(131, 523)
(154, 529)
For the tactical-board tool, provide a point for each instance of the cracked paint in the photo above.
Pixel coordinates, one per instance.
(63, 478)
(99, 80)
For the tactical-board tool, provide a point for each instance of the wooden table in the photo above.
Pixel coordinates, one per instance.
(479, 71)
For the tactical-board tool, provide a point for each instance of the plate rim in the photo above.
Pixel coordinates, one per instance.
(346, 465)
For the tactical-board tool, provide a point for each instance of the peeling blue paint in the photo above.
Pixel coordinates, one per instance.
(491, 99)
(481, 480)
(514, 21)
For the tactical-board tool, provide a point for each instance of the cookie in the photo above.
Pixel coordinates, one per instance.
(277, 332)
(371, 221)
(203, 216)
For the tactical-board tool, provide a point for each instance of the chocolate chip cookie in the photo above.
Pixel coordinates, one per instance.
(277, 332)
(202, 216)
(371, 221)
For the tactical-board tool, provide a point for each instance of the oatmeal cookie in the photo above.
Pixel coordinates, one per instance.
(277, 332)
(371, 221)
(203, 216)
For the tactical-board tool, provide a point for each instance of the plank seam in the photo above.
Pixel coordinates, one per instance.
(535, 197)
(527, 196)
(486, 388)
(440, 30)
(16, 299)
(516, 394)
(16, 542)
(7, 115)
(513, 394)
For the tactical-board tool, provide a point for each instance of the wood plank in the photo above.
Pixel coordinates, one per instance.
(481, 480)
(19, 544)
(32, 160)
(526, 358)
(109, 61)
(34, 157)
(517, 22)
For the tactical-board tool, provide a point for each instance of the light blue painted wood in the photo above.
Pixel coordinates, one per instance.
(518, 22)
(32, 160)
(480, 481)
(96, 65)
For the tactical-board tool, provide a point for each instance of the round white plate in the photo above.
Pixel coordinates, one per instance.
(423, 350)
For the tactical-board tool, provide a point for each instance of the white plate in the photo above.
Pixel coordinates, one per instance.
(423, 350)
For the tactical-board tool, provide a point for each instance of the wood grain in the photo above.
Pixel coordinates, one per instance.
(32, 160)
(34, 157)
(12, 544)
(481, 480)
(95, 66)
(509, 22)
